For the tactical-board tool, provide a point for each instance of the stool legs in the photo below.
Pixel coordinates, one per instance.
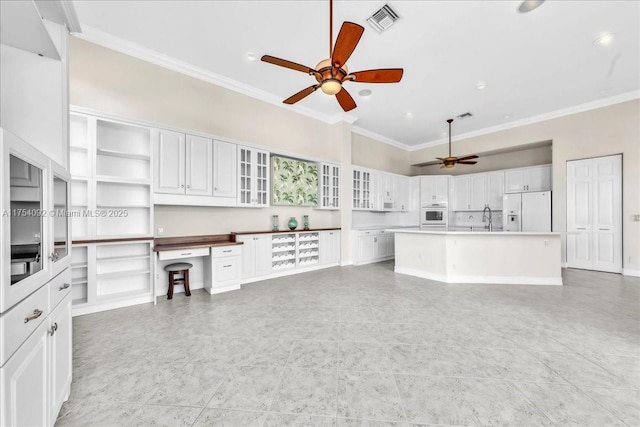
(172, 281)
(187, 291)
(170, 293)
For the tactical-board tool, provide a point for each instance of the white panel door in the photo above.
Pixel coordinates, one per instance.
(579, 242)
(263, 254)
(478, 192)
(24, 383)
(169, 165)
(199, 166)
(366, 248)
(248, 256)
(594, 214)
(461, 189)
(441, 188)
(607, 214)
(224, 169)
(60, 355)
(495, 190)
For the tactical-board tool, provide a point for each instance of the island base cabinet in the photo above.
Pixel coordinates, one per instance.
(373, 246)
(223, 269)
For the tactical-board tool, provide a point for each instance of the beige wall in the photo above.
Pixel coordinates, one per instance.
(118, 84)
(486, 163)
(369, 153)
(600, 132)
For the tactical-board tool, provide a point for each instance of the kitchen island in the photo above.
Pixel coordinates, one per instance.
(519, 258)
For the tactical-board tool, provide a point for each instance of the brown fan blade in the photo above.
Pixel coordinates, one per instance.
(347, 40)
(382, 75)
(287, 64)
(468, 157)
(466, 163)
(345, 100)
(302, 94)
(440, 158)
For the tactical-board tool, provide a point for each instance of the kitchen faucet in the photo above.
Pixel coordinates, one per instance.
(490, 226)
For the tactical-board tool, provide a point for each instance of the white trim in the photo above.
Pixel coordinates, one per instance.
(222, 289)
(70, 16)
(288, 273)
(629, 272)
(110, 41)
(95, 308)
(345, 263)
(379, 138)
(107, 40)
(371, 261)
(535, 119)
(498, 280)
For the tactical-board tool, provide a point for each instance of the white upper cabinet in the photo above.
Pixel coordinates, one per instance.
(170, 155)
(199, 166)
(184, 164)
(495, 190)
(224, 169)
(537, 178)
(253, 177)
(362, 189)
(434, 189)
(474, 192)
(402, 193)
(329, 186)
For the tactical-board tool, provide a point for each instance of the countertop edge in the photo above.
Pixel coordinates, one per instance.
(311, 230)
(477, 233)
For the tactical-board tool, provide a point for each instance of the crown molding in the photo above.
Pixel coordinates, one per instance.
(118, 44)
(380, 138)
(580, 108)
(70, 15)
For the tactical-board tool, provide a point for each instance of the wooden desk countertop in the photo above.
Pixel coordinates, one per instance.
(187, 242)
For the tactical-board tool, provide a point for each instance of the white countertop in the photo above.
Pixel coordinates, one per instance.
(474, 233)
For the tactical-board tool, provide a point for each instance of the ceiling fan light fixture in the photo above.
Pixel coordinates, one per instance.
(529, 5)
(604, 39)
(331, 86)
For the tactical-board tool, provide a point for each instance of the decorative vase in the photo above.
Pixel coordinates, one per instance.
(305, 222)
(293, 223)
(275, 223)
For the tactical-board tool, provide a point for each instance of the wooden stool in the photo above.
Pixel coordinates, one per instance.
(181, 268)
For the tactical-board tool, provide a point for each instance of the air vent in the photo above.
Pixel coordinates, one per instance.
(465, 115)
(383, 19)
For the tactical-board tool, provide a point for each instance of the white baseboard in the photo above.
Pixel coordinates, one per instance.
(500, 280)
(219, 290)
(288, 273)
(371, 261)
(629, 272)
(94, 308)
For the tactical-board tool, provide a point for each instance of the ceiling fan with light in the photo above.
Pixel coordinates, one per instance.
(450, 162)
(332, 72)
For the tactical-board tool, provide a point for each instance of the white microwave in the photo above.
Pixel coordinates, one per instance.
(434, 215)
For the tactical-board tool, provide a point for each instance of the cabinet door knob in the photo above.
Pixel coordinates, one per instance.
(181, 185)
(63, 287)
(36, 313)
(54, 328)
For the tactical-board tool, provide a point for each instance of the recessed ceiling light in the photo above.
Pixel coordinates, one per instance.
(529, 5)
(481, 85)
(507, 116)
(604, 39)
(365, 92)
(409, 115)
(251, 56)
(605, 90)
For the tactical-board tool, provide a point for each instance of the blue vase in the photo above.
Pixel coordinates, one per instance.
(293, 224)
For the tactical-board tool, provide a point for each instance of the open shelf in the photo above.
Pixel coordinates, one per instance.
(122, 154)
(121, 258)
(122, 274)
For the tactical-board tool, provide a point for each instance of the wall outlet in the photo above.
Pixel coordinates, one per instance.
(160, 231)
(635, 218)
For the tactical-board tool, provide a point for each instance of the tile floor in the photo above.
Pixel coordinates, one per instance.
(362, 346)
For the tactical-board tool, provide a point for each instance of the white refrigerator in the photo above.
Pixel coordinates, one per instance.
(527, 211)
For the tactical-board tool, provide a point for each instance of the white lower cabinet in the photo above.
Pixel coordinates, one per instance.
(36, 378)
(330, 247)
(256, 255)
(270, 255)
(223, 269)
(373, 246)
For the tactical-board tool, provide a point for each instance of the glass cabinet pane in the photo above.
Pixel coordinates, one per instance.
(26, 219)
(60, 223)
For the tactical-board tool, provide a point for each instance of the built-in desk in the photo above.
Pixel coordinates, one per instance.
(221, 260)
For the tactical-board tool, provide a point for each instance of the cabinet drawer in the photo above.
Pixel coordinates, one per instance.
(220, 251)
(183, 253)
(225, 270)
(19, 322)
(59, 287)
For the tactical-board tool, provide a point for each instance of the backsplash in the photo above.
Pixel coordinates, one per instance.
(474, 219)
(362, 219)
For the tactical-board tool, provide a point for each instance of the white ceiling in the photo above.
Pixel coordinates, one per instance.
(533, 63)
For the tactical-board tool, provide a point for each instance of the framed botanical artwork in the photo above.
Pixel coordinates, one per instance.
(295, 182)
